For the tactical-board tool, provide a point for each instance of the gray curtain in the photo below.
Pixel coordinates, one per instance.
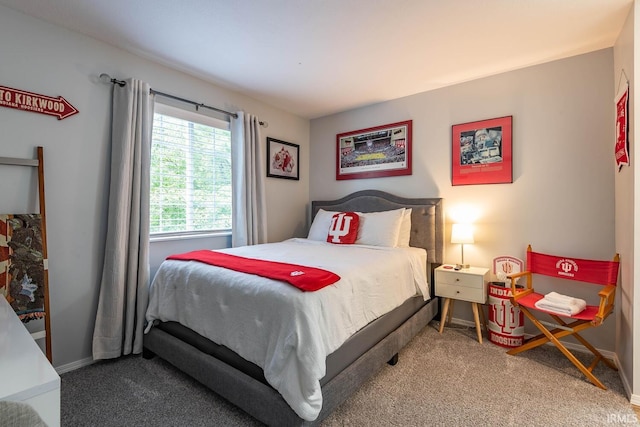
(125, 275)
(249, 222)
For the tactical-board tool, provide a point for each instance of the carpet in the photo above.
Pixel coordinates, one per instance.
(440, 380)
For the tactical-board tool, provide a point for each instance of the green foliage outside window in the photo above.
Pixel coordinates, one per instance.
(190, 176)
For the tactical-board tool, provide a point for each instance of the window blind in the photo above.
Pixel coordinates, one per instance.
(190, 173)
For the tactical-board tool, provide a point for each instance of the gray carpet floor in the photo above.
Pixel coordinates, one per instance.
(440, 380)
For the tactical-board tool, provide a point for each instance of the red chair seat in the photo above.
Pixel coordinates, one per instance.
(530, 300)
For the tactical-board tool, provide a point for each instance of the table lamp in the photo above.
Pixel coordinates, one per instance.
(462, 233)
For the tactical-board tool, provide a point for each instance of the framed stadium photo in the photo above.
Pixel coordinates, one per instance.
(481, 152)
(374, 152)
(283, 159)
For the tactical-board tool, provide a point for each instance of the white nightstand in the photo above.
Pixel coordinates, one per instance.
(467, 284)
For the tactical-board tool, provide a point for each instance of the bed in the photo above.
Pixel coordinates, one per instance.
(246, 384)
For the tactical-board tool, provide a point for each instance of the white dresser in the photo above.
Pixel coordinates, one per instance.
(25, 373)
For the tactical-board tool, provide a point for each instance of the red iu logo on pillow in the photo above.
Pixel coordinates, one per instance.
(344, 228)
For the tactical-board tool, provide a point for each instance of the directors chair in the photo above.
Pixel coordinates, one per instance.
(580, 315)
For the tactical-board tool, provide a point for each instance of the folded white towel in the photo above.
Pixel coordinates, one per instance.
(561, 304)
(563, 299)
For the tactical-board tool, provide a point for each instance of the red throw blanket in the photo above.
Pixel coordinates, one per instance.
(302, 277)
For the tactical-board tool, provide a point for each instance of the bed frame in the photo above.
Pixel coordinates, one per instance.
(266, 404)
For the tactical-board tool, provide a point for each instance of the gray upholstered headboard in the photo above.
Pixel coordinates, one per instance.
(427, 218)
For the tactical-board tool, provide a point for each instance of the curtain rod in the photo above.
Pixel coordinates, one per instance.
(107, 79)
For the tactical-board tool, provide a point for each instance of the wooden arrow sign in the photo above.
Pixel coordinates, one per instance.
(29, 101)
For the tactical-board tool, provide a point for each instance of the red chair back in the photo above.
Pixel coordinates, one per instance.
(582, 270)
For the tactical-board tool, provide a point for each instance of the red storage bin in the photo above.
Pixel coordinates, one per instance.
(506, 322)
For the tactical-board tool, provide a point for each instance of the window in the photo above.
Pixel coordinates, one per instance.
(190, 173)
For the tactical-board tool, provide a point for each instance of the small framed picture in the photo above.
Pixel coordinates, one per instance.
(374, 152)
(481, 152)
(283, 159)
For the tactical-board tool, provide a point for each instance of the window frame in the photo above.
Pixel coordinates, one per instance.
(196, 116)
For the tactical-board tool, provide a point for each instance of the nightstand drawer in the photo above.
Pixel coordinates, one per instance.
(461, 279)
(464, 293)
(469, 284)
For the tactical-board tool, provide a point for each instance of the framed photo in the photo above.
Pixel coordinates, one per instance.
(283, 159)
(374, 152)
(481, 152)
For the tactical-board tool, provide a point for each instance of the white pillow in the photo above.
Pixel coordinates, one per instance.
(405, 229)
(320, 227)
(380, 228)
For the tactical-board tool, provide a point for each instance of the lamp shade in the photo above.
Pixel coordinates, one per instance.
(462, 233)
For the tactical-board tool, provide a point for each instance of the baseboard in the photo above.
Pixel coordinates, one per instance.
(633, 398)
(625, 381)
(572, 346)
(74, 365)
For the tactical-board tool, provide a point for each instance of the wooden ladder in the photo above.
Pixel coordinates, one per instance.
(39, 163)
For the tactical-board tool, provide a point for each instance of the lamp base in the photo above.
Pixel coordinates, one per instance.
(461, 266)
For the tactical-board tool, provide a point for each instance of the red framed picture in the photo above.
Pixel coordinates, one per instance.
(481, 152)
(374, 152)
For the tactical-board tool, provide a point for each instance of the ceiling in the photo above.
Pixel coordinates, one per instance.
(318, 57)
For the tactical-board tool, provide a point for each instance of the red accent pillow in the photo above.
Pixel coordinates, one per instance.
(344, 228)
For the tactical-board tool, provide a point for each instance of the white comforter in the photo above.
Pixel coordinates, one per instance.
(285, 331)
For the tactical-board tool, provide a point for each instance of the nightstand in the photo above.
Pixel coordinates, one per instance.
(467, 284)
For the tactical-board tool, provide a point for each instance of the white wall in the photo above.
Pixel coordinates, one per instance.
(42, 58)
(627, 199)
(635, 387)
(562, 196)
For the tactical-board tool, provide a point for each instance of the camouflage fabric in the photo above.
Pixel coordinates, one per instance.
(22, 264)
